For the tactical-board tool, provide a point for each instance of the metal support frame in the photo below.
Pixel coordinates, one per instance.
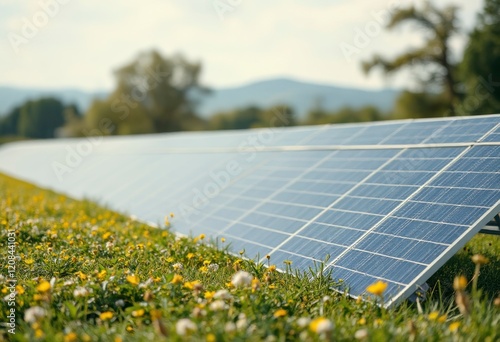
(493, 227)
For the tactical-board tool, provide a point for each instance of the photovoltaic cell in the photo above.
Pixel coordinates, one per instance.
(387, 200)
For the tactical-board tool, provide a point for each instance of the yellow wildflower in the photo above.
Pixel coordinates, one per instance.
(29, 261)
(433, 315)
(320, 325)
(133, 279)
(44, 286)
(190, 255)
(377, 288)
(106, 235)
(459, 283)
(106, 315)
(479, 259)
(454, 326)
(209, 294)
(70, 337)
(177, 279)
(191, 284)
(280, 313)
(138, 313)
(202, 236)
(19, 289)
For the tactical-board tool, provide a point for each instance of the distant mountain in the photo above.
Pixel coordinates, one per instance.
(302, 96)
(11, 97)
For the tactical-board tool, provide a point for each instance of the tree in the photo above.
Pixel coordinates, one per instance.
(440, 25)
(40, 118)
(153, 94)
(480, 68)
(418, 105)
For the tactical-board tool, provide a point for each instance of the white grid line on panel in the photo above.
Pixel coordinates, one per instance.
(394, 210)
(440, 260)
(312, 167)
(389, 160)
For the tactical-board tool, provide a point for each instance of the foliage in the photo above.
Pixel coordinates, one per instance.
(37, 119)
(419, 105)
(153, 94)
(344, 115)
(85, 273)
(480, 67)
(253, 117)
(439, 25)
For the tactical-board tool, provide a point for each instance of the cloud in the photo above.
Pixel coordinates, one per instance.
(86, 40)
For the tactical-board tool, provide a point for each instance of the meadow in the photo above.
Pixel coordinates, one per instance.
(85, 273)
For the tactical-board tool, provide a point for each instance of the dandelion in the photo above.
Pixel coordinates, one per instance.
(133, 279)
(202, 236)
(190, 256)
(459, 283)
(223, 240)
(105, 236)
(107, 315)
(177, 279)
(280, 313)
(172, 215)
(211, 338)
(209, 294)
(70, 337)
(34, 314)
(43, 287)
(29, 261)
(138, 313)
(193, 285)
(271, 268)
(454, 327)
(241, 279)
(185, 326)
(255, 284)
(433, 315)
(321, 325)
(479, 259)
(378, 288)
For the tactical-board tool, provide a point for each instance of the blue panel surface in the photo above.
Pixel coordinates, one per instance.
(386, 200)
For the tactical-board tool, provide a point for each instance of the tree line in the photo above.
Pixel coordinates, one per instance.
(155, 94)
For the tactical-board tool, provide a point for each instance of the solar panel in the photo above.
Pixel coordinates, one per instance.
(390, 201)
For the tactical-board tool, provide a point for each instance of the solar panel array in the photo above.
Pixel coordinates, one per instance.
(390, 201)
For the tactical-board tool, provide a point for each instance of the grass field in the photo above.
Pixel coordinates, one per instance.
(85, 273)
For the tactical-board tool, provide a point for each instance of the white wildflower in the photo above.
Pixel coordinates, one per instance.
(361, 334)
(222, 294)
(229, 327)
(34, 313)
(218, 305)
(178, 266)
(242, 279)
(213, 267)
(184, 326)
(303, 322)
(81, 292)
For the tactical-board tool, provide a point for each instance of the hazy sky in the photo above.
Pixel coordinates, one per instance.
(79, 43)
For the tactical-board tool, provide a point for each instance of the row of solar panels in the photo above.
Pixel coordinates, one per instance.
(390, 201)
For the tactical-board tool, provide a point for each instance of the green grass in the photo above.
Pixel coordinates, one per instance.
(98, 275)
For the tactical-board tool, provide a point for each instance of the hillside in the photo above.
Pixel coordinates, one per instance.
(302, 96)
